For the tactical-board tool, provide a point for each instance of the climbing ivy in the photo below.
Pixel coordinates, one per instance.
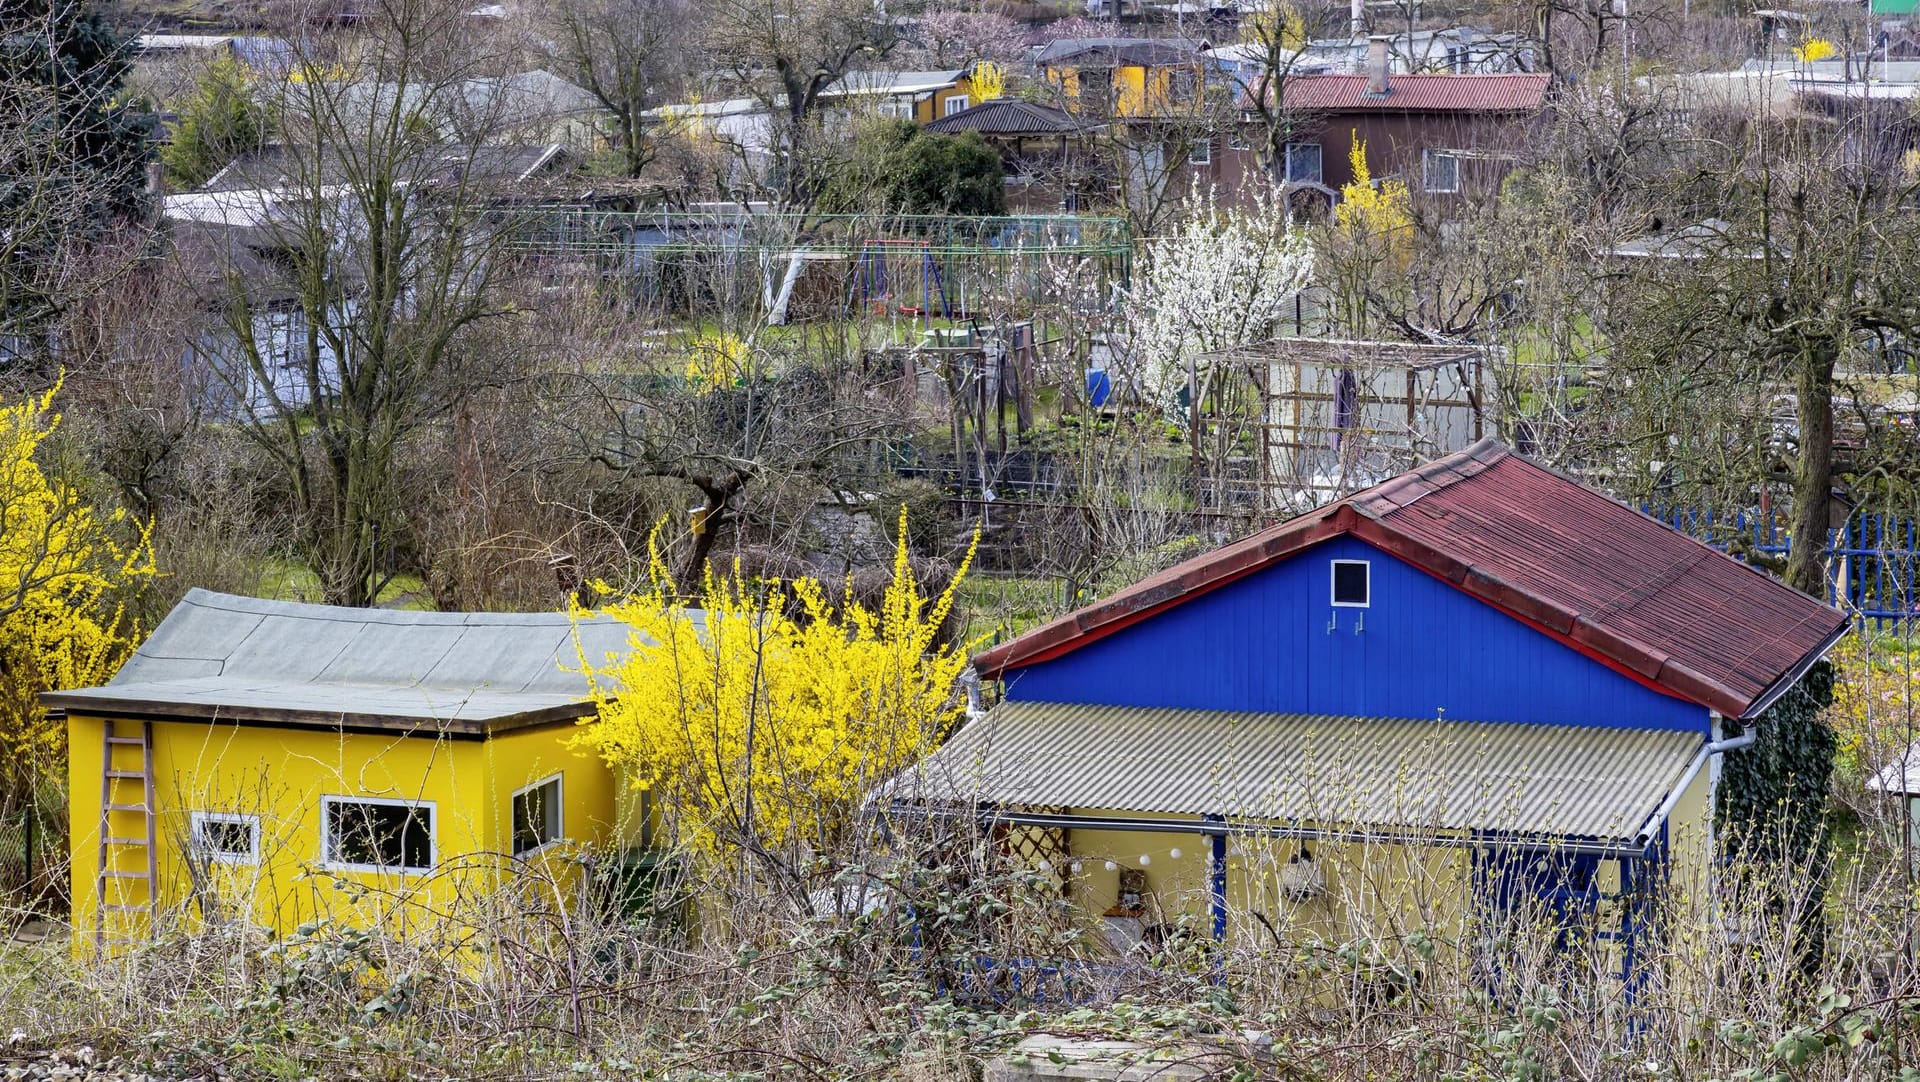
(1770, 809)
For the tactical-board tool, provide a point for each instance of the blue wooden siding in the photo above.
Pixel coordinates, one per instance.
(1274, 642)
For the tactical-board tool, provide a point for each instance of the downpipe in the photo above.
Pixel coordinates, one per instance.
(970, 681)
(1707, 752)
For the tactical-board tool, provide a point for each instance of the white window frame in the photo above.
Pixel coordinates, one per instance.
(897, 109)
(559, 782)
(251, 822)
(1200, 152)
(433, 835)
(1237, 141)
(1427, 158)
(1320, 174)
(1333, 578)
(958, 103)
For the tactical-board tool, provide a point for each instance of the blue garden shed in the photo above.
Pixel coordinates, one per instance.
(1475, 686)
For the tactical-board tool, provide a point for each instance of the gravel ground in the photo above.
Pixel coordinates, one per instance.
(77, 1065)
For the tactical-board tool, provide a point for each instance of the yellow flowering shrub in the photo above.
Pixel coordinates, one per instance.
(1372, 210)
(1277, 24)
(768, 711)
(716, 359)
(1876, 688)
(64, 569)
(988, 82)
(1370, 243)
(1814, 49)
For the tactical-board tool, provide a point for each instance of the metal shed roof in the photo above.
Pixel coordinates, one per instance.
(282, 662)
(1009, 116)
(1550, 781)
(1584, 569)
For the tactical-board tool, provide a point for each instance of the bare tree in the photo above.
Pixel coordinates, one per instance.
(633, 56)
(346, 306)
(785, 55)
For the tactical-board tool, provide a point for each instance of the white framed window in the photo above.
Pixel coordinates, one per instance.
(896, 109)
(1303, 163)
(957, 103)
(1352, 584)
(1239, 141)
(226, 838)
(1201, 152)
(376, 834)
(537, 815)
(1439, 171)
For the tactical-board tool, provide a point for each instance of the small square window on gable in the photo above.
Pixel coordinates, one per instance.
(1351, 588)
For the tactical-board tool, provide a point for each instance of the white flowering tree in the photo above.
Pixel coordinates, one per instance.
(1223, 278)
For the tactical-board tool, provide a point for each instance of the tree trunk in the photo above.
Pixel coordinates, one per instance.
(1813, 475)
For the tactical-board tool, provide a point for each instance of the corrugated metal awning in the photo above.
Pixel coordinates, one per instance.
(1557, 781)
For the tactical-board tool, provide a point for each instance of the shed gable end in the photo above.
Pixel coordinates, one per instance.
(1276, 642)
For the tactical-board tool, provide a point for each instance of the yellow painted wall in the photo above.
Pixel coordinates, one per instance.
(1130, 91)
(935, 107)
(1137, 91)
(1377, 889)
(280, 775)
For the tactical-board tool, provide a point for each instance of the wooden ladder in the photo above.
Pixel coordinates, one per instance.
(114, 778)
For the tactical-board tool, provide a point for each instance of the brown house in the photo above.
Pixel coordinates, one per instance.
(1448, 137)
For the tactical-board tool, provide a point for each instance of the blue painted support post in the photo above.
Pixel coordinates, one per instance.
(1217, 879)
(1641, 879)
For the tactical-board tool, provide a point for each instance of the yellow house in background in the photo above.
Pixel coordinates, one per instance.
(269, 760)
(1127, 78)
(920, 96)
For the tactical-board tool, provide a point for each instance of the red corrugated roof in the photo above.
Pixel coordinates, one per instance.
(1587, 570)
(1508, 93)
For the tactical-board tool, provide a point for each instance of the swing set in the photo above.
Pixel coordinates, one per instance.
(883, 264)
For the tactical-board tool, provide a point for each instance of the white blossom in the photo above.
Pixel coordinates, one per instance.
(1223, 278)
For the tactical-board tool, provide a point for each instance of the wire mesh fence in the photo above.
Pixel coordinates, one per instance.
(32, 858)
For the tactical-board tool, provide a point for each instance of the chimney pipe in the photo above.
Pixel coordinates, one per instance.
(156, 179)
(1358, 17)
(1377, 63)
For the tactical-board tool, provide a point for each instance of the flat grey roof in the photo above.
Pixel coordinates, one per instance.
(281, 662)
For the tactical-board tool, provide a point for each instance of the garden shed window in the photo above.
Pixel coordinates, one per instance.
(371, 834)
(222, 838)
(536, 815)
(1303, 163)
(1351, 588)
(1440, 171)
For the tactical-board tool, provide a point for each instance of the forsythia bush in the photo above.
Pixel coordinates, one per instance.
(767, 713)
(1815, 49)
(64, 567)
(716, 359)
(989, 81)
(1370, 210)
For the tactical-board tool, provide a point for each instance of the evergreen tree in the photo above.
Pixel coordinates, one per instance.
(220, 121)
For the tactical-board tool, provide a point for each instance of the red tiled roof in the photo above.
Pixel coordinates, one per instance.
(1508, 93)
(1584, 569)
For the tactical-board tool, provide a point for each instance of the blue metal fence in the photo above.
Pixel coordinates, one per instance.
(1871, 559)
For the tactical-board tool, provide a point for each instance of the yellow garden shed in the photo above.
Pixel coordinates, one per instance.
(271, 760)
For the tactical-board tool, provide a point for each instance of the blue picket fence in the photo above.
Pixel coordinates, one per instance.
(1872, 560)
